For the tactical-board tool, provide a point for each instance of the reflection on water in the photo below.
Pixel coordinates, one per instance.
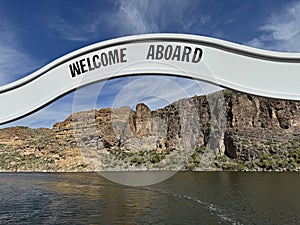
(186, 198)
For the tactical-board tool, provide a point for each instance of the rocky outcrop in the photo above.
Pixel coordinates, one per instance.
(247, 111)
(259, 126)
(244, 132)
(238, 126)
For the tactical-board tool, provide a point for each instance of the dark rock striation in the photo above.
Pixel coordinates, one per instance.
(244, 132)
(240, 128)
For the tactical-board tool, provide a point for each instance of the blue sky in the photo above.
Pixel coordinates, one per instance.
(34, 33)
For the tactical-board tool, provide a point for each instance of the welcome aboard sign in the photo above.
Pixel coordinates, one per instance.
(250, 70)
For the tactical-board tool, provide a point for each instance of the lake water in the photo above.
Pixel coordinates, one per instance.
(186, 198)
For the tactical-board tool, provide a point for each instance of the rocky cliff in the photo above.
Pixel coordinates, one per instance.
(221, 131)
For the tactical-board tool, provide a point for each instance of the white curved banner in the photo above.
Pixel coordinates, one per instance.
(254, 71)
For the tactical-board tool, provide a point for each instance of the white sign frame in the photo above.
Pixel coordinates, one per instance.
(245, 69)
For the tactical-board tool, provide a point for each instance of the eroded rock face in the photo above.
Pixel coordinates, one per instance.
(142, 120)
(187, 123)
(247, 111)
(237, 125)
(253, 121)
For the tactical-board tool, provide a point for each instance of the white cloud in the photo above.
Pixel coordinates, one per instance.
(134, 16)
(14, 61)
(127, 17)
(83, 30)
(65, 29)
(281, 31)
